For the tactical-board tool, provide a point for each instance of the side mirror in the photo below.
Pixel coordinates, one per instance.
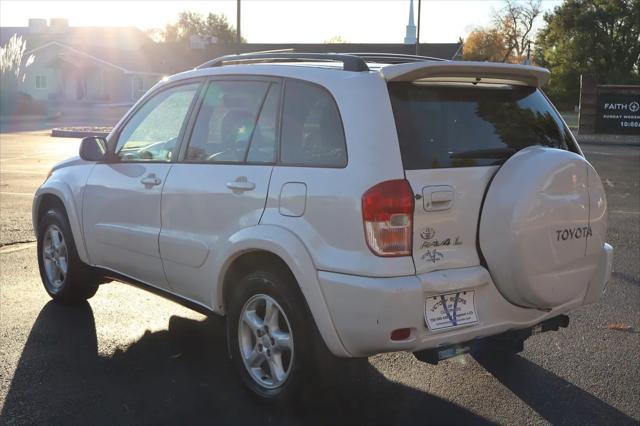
(93, 148)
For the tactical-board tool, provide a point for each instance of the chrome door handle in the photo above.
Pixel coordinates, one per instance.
(241, 184)
(150, 180)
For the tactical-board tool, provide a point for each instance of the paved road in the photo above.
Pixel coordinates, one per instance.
(131, 357)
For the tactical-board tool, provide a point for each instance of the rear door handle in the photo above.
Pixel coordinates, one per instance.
(151, 180)
(241, 184)
(437, 198)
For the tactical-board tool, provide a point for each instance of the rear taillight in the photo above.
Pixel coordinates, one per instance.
(387, 212)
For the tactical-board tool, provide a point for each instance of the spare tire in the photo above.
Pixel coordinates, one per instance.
(542, 227)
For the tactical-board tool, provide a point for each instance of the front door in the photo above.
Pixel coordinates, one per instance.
(220, 184)
(121, 204)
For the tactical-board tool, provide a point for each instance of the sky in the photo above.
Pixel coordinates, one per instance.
(282, 21)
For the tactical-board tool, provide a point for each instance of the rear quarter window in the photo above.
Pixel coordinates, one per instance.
(312, 133)
(442, 126)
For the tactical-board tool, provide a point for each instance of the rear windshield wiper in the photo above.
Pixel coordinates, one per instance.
(499, 153)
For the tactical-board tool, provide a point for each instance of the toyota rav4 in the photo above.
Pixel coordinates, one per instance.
(333, 207)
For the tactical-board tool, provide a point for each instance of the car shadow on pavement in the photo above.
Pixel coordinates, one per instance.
(178, 375)
(553, 398)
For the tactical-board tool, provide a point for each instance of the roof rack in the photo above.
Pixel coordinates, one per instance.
(349, 62)
(393, 58)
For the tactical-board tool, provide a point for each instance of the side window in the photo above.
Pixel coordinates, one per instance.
(227, 121)
(312, 131)
(152, 133)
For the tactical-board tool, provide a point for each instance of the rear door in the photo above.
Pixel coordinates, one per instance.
(453, 137)
(219, 185)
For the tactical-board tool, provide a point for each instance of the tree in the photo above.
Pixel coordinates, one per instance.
(193, 23)
(12, 60)
(13, 65)
(509, 36)
(515, 23)
(484, 44)
(598, 37)
(336, 40)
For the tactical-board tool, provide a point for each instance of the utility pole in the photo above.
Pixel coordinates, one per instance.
(238, 36)
(418, 32)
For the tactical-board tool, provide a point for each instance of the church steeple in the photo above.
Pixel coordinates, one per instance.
(410, 36)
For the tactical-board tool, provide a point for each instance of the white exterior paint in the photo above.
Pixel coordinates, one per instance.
(200, 213)
(121, 219)
(183, 234)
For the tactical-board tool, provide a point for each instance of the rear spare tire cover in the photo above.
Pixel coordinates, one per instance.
(542, 227)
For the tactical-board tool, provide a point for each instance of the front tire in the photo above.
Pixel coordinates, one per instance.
(65, 277)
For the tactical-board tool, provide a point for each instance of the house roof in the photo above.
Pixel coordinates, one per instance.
(118, 47)
(125, 38)
(126, 61)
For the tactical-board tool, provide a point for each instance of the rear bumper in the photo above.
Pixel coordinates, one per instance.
(366, 310)
(600, 280)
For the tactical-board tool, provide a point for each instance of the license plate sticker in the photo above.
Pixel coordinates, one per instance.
(450, 310)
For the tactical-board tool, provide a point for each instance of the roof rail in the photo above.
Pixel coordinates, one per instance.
(349, 62)
(393, 58)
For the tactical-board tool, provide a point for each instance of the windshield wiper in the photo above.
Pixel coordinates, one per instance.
(500, 153)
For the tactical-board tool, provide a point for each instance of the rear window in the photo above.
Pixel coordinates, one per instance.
(443, 126)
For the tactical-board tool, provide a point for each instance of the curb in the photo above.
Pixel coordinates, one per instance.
(595, 143)
(604, 140)
(5, 119)
(608, 140)
(59, 133)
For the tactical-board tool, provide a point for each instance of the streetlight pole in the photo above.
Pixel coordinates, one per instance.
(418, 32)
(238, 36)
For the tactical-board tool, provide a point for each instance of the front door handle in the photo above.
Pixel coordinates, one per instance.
(150, 180)
(241, 184)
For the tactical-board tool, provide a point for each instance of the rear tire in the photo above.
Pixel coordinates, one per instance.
(65, 277)
(308, 365)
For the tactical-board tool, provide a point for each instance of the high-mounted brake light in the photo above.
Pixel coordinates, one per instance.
(387, 212)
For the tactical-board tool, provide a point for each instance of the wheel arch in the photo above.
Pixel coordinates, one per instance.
(252, 246)
(59, 194)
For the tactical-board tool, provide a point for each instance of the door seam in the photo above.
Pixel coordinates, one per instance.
(164, 269)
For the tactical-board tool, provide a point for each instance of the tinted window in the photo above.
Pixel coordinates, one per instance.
(461, 126)
(226, 121)
(312, 131)
(152, 132)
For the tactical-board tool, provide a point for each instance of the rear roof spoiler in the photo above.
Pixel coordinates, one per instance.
(489, 72)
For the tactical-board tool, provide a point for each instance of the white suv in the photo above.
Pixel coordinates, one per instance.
(336, 206)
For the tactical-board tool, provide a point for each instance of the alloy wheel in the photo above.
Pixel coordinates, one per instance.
(55, 257)
(266, 341)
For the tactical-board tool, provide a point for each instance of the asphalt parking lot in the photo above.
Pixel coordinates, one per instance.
(129, 357)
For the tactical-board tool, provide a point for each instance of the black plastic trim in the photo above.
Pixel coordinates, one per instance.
(394, 58)
(155, 290)
(511, 341)
(349, 62)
